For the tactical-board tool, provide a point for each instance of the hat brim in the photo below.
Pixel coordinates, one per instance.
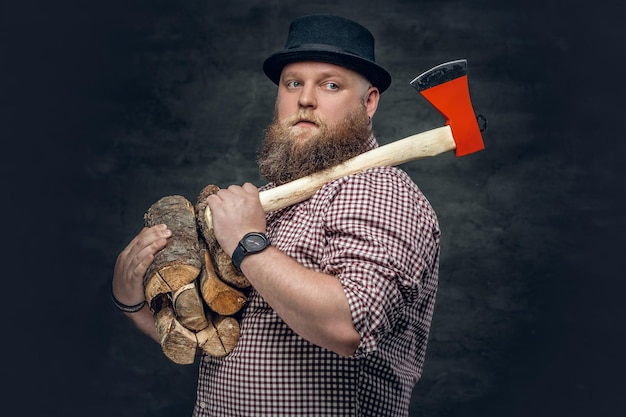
(377, 75)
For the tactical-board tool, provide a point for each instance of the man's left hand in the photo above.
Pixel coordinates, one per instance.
(236, 211)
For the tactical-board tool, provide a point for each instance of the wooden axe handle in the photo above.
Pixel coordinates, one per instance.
(430, 143)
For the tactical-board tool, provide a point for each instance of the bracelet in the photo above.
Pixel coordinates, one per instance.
(126, 308)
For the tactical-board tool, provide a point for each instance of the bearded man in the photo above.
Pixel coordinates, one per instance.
(344, 283)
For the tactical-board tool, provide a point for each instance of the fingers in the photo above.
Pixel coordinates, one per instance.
(148, 242)
(247, 190)
(250, 188)
(235, 211)
(133, 262)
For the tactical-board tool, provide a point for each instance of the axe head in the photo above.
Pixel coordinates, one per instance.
(446, 88)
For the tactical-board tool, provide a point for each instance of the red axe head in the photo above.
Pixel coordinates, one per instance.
(445, 87)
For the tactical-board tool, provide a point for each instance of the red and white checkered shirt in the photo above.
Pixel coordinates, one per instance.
(376, 232)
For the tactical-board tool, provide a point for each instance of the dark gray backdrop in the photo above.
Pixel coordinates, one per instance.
(108, 106)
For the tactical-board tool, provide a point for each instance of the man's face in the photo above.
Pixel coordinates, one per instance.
(313, 94)
(322, 118)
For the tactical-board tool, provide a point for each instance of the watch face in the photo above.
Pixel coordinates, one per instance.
(254, 242)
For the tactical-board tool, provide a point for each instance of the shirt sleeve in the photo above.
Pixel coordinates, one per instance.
(383, 237)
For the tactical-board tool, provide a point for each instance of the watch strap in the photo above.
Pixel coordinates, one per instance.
(238, 255)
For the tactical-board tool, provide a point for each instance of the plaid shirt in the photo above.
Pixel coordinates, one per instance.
(377, 233)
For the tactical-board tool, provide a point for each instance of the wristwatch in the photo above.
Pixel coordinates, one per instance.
(253, 242)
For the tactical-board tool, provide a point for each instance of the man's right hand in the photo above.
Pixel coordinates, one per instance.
(133, 262)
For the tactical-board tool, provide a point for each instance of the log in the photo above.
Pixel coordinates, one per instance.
(153, 288)
(220, 337)
(222, 262)
(178, 343)
(171, 287)
(220, 297)
(189, 308)
(179, 263)
(228, 331)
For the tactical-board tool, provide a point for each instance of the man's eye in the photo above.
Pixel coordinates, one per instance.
(293, 84)
(332, 86)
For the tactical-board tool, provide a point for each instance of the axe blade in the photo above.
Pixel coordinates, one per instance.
(446, 88)
(440, 74)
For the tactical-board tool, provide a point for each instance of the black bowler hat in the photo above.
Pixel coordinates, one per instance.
(330, 39)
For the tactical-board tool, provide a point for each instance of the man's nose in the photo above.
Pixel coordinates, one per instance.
(307, 97)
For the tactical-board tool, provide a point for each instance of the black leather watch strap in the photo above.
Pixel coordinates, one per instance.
(238, 256)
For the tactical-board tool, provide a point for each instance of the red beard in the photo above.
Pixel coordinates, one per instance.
(286, 155)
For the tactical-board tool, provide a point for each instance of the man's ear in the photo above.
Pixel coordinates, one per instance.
(371, 100)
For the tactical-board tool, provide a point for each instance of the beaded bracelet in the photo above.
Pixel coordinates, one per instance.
(126, 308)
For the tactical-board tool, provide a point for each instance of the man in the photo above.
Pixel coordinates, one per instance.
(343, 284)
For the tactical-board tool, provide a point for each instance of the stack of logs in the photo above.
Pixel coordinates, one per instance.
(192, 287)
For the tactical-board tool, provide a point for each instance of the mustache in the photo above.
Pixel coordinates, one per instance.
(303, 116)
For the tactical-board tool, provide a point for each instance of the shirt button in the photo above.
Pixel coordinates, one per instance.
(207, 359)
(202, 404)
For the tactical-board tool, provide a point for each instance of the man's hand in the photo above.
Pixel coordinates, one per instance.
(236, 211)
(134, 260)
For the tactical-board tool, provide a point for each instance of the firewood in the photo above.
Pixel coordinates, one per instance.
(220, 337)
(176, 295)
(228, 331)
(179, 263)
(220, 297)
(189, 308)
(155, 287)
(221, 260)
(178, 343)
(209, 342)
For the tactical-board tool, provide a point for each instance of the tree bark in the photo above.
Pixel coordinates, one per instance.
(221, 260)
(179, 263)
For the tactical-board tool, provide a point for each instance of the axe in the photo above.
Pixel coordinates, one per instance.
(446, 88)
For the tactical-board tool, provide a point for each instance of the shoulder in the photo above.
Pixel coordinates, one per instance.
(376, 191)
(372, 184)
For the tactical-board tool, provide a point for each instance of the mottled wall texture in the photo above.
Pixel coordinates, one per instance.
(106, 107)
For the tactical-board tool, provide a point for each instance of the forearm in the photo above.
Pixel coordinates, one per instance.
(312, 303)
(144, 321)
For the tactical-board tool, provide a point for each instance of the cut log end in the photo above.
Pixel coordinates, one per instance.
(178, 343)
(189, 308)
(220, 337)
(228, 330)
(154, 287)
(220, 297)
(178, 275)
